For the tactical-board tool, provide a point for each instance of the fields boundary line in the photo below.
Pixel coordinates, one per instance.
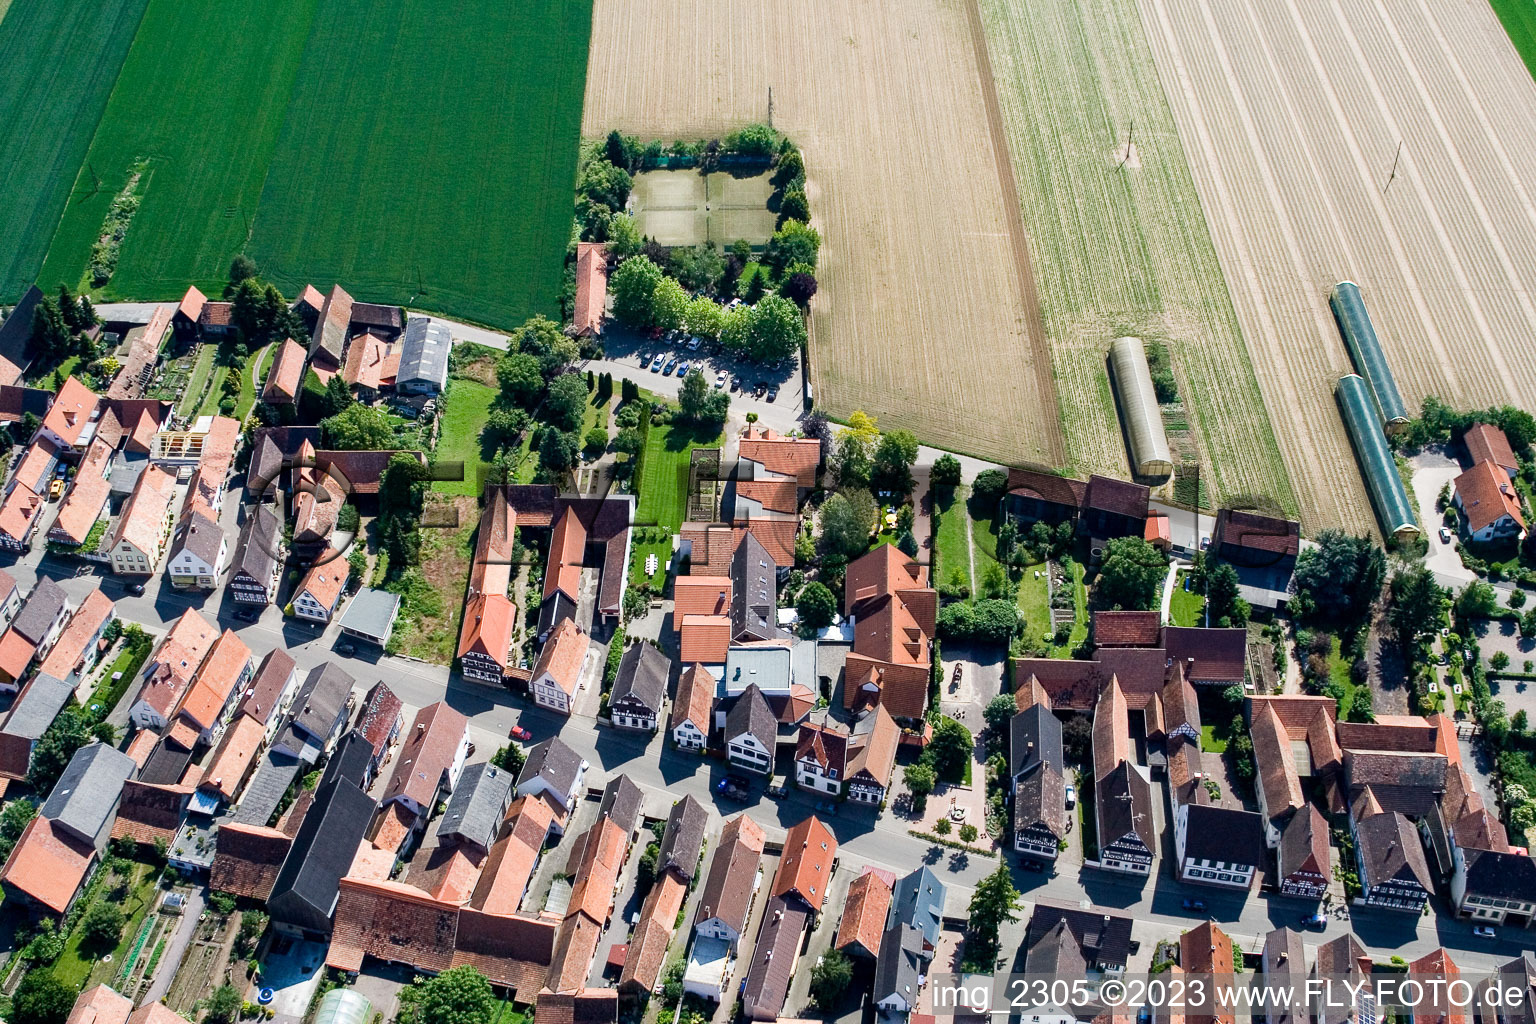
(1034, 323)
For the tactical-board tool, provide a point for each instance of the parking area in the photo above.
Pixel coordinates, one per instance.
(757, 386)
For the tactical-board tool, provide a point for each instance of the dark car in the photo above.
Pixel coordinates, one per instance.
(1318, 921)
(734, 787)
(1032, 865)
(345, 650)
(773, 393)
(519, 733)
(137, 589)
(1198, 905)
(247, 614)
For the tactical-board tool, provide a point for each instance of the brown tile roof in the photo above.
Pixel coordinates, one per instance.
(653, 933)
(777, 536)
(1278, 780)
(48, 865)
(1184, 769)
(1254, 531)
(1206, 949)
(360, 472)
(1111, 730)
(874, 755)
(368, 362)
(562, 656)
(148, 812)
(825, 743)
(598, 873)
(510, 866)
(1116, 496)
(143, 520)
(1487, 495)
(695, 698)
(711, 546)
(1487, 443)
(1387, 768)
(567, 549)
(216, 314)
(587, 1006)
(795, 457)
(426, 753)
(330, 337)
(1437, 1008)
(155, 1013)
(85, 501)
(805, 869)
(513, 951)
(1049, 487)
(1126, 629)
(774, 495)
(192, 303)
(234, 756)
(700, 595)
(591, 288)
(391, 921)
(286, 374)
(33, 468)
(381, 712)
(894, 611)
(1208, 654)
(248, 858)
(487, 629)
(1304, 844)
(1179, 704)
(1403, 734)
(143, 353)
(1030, 693)
(100, 1005)
(704, 638)
(863, 923)
(727, 891)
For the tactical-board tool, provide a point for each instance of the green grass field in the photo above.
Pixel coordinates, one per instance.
(428, 157)
(1186, 606)
(60, 62)
(201, 98)
(663, 480)
(1121, 249)
(247, 399)
(469, 403)
(1519, 18)
(949, 545)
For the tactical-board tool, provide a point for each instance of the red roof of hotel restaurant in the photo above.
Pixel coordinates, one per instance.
(795, 457)
(591, 288)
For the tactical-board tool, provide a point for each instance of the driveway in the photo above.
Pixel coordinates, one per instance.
(176, 948)
(1432, 470)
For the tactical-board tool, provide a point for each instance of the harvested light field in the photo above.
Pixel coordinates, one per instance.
(1291, 114)
(60, 61)
(1119, 245)
(925, 315)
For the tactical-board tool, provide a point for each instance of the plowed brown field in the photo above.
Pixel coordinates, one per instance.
(1292, 112)
(925, 315)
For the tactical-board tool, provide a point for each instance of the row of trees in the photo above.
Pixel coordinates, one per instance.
(60, 325)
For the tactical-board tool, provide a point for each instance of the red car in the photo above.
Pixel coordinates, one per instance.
(519, 733)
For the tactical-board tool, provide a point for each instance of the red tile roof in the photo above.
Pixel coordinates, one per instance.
(805, 868)
(71, 647)
(143, 519)
(705, 638)
(1487, 443)
(567, 548)
(87, 497)
(48, 865)
(695, 698)
(368, 362)
(16, 653)
(1111, 730)
(795, 457)
(100, 1005)
(286, 374)
(192, 304)
(562, 656)
(774, 495)
(700, 595)
(863, 923)
(325, 578)
(591, 288)
(216, 680)
(392, 921)
(381, 712)
(232, 760)
(148, 812)
(509, 868)
(894, 611)
(727, 891)
(71, 411)
(1126, 629)
(653, 933)
(488, 623)
(1487, 495)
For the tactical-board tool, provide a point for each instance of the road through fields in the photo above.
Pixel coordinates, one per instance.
(1382, 143)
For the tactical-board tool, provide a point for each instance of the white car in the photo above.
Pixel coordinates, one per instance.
(1071, 792)
(1483, 931)
(1445, 535)
(720, 379)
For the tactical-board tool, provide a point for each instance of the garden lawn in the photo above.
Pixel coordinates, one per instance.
(247, 399)
(1211, 743)
(469, 405)
(664, 472)
(1519, 18)
(949, 543)
(1186, 606)
(1338, 672)
(76, 970)
(200, 378)
(60, 61)
(643, 543)
(1035, 603)
(428, 155)
(201, 98)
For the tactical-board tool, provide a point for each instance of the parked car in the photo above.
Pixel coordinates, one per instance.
(1318, 921)
(720, 379)
(773, 393)
(682, 371)
(1196, 905)
(1032, 865)
(734, 787)
(1483, 931)
(779, 787)
(1445, 535)
(136, 589)
(55, 489)
(693, 344)
(519, 733)
(656, 363)
(1071, 793)
(247, 614)
(666, 371)
(345, 650)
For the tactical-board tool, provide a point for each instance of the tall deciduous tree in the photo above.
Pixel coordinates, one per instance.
(893, 460)
(565, 405)
(542, 338)
(846, 521)
(669, 305)
(520, 377)
(701, 403)
(358, 428)
(460, 995)
(815, 606)
(633, 286)
(1132, 573)
(1337, 580)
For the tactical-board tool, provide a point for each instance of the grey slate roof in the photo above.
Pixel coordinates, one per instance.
(371, 613)
(41, 608)
(1389, 848)
(683, 840)
(899, 964)
(1125, 807)
(555, 762)
(350, 759)
(16, 332)
(1056, 951)
(1504, 876)
(477, 805)
(621, 803)
(85, 797)
(751, 714)
(37, 707)
(304, 894)
(265, 791)
(643, 673)
(424, 352)
(1034, 737)
(1225, 834)
(322, 699)
(260, 538)
(264, 692)
(755, 592)
(918, 900)
(1104, 937)
(201, 536)
(167, 764)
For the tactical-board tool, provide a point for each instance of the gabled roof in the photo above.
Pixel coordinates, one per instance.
(424, 351)
(305, 890)
(83, 631)
(1487, 443)
(682, 842)
(563, 655)
(33, 712)
(695, 699)
(369, 362)
(1487, 495)
(143, 519)
(773, 958)
(1389, 849)
(488, 622)
(567, 550)
(1278, 780)
(1116, 496)
(700, 595)
(918, 900)
(18, 513)
(48, 864)
(148, 812)
(1034, 736)
(805, 869)
(330, 337)
(1125, 807)
(1304, 844)
(1257, 533)
(322, 698)
(704, 639)
(100, 1005)
(232, 760)
(71, 411)
(1208, 654)
(1126, 629)
(16, 653)
(199, 534)
(555, 762)
(426, 752)
(475, 809)
(751, 715)
(286, 375)
(216, 679)
(873, 755)
(85, 797)
(727, 891)
(1225, 834)
(864, 911)
(380, 714)
(325, 578)
(643, 674)
(793, 457)
(1390, 768)
(83, 505)
(1111, 730)
(509, 867)
(591, 288)
(248, 859)
(825, 744)
(1505, 876)
(40, 610)
(1105, 935)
